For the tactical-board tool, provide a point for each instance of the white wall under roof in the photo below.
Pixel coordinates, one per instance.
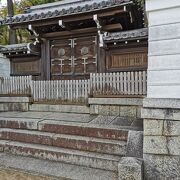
(164, 48)
(4, 66)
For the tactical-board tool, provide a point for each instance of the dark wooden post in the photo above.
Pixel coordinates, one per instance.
(12, 33)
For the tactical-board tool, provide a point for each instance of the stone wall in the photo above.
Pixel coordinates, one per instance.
(161, 139)
(4, 66)
(124, 107)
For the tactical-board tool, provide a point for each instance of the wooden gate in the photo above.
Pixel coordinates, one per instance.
(73, 58)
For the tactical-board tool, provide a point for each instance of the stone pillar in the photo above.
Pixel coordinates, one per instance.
(161, 108)
(4, 66)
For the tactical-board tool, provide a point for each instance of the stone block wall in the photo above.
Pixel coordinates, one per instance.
(14, 104)
(124, 107)
(4, 66)
(161, 140)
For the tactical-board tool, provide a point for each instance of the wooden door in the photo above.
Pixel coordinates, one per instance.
(73, 58)
(61, 58)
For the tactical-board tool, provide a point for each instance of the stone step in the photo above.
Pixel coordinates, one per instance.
(88, 159)
(55, 170)
(60, 108)
(66, 141)
(90, 130)
(60, 127)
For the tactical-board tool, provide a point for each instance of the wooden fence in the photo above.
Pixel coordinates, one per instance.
(61, 91)
(123, 83)
(20, 85)
(77, 91)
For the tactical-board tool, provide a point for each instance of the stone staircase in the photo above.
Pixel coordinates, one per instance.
(78, 139)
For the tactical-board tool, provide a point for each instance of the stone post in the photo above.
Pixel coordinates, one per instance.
(161, 108)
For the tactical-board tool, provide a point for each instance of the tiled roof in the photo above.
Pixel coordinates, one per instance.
(62, 8)
(124, 35)
(15, 48)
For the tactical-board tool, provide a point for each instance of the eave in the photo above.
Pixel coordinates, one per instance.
(126, 35)
(20, 49)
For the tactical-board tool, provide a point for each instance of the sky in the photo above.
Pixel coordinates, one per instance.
(3, 2)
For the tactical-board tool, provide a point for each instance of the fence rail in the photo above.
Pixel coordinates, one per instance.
(76, 91)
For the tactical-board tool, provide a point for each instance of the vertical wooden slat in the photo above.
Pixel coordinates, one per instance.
(128, 83)
(117, 83)
(125, 82)
(140, 82)
(77, 91)
(132, 83)
(121, 83)
(114, 79)
(100, 82)
(94, 84)
(144, 83)
(136, 83)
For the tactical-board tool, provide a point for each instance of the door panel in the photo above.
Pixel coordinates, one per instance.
(61, 57)
(73, 58)
(85, 54)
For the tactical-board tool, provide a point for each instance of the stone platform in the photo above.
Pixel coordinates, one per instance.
(111, 121)
(81, 140)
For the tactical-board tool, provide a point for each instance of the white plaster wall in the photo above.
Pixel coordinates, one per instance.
(164, 48)
(4, 66)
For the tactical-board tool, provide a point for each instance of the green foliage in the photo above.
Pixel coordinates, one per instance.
(3, 29)
(140, 3)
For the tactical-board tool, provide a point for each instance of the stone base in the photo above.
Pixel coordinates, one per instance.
(14, 104)
(161, 167)
(29, 168)
(60, 108)
(130, 168)
(161, 139)
(124, 107)
(14, 107)
(20, 175)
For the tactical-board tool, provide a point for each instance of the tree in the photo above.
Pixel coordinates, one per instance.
(3, 29)
(10, 12)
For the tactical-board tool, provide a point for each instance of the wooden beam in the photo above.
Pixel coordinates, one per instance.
(111, 27)
(82, 31)
(68, 33)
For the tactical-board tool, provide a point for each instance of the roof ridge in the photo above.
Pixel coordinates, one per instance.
(54, 4)
(82, 6)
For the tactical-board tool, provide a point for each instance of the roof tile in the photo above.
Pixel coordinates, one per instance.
(62, 9)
